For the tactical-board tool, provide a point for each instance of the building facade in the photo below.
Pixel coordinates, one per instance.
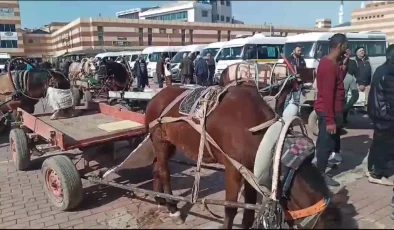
(114, 34)
(375, 16)
(11, 38)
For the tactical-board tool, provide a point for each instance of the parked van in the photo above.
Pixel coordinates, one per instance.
(108, 56)
(176, 60)
(152, 55)
(3, 61)
(257, 47)
(213, 49)
(130, 56)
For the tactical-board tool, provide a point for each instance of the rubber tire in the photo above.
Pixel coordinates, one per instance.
(312, 123)
(18, 136)
(77, 96)
(70, 181)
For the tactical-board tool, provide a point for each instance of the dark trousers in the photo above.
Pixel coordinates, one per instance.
(326, 143)
(210, 80)
(141, 82)
(160, 80)
(201, 79)
(380, 152)
(186, 79)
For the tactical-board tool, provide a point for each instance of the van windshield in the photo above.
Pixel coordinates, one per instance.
(134, 57)
(179, 56)
(230, 53)
(307, 48)
(145, 56)
(212, 51)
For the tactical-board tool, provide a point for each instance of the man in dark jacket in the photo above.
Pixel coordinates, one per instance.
(297, 61)
(364, 71)
(379, 109)
(141, 72)
(201, 69)
(187, 69)
(160, 71)
(329, 103)
(211, 69)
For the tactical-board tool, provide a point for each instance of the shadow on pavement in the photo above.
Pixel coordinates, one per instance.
(357, 148)
(347, 211)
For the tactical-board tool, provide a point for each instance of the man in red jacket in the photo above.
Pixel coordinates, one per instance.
(329, 103)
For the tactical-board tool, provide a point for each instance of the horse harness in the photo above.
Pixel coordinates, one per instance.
(272, 215)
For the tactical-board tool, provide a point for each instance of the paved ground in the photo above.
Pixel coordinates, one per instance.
(23, 203)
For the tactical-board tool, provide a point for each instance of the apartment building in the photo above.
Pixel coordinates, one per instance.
(11, 38)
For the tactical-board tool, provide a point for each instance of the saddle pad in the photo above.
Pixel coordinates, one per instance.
(119, 125)
(187, 103)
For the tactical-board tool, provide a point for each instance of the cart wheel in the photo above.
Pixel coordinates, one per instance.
(88, 96)
(19, 149)
(62, 182)
(313, 122)
(77, 96)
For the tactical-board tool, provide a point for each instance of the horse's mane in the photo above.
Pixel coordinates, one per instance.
(86, 65)
(311, 175)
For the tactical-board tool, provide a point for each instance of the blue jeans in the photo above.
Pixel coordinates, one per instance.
(296, 97)
(326, 143)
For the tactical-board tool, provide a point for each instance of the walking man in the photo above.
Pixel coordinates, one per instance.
(364, 71)
(298, 61)
(211, 69)
(201, 71)
(381, 97)
(141, 72)
(160, 71)
(329, 103)
(187, 69)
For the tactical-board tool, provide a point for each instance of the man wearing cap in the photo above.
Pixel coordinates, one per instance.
(381, 98)
(187, 69)
(364, 71)
(201, 70)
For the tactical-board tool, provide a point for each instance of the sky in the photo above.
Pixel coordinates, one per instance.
(34, 14)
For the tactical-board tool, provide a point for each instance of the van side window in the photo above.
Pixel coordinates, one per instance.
(322, 49)
(372, 48)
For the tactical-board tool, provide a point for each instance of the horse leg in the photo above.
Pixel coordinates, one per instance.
(250, 196)
(161, 177)
(233, 185)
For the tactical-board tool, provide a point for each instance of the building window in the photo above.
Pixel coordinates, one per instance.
(228, 2)
(100, 35)
(183, 36)
(191, 36)
(30, 41)
(222, 2)
(219, 35)
(149, 36)
(227, 19)
(174, 31)
(173, 16)
(140, 36)
(204, 13)
(162, 31)
(8, 44)
(217, 17)
(228, 35)
(222, 18)
(7, 28)
(382, 15)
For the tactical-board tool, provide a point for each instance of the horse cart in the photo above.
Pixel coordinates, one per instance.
(99, 124)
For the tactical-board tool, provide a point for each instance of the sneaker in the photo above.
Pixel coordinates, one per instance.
(330, 181)
(335, 157)
(381, 181)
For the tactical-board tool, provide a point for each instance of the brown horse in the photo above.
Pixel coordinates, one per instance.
(240, 108)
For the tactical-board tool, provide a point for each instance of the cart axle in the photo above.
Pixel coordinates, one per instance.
(176, 198)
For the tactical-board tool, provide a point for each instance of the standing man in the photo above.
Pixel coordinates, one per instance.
(364, 71)
(201, 71)
(350, 83)
(160, 71)
(211, 69)
(298, 61)
(141, 72)
(329, 103)
(379, 109)
(187, 69)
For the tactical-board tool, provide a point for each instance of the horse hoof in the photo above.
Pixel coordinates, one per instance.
(177, 218)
